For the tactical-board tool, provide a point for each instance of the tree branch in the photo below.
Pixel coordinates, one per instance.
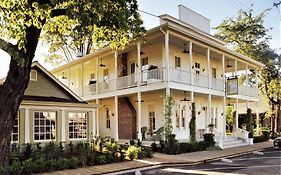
(11, 49)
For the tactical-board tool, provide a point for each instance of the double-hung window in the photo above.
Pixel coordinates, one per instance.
(44, 126)
(77, 125)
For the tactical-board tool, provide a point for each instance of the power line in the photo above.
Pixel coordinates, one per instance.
(148, 13)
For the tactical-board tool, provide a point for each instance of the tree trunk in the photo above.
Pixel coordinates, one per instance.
(12, 91)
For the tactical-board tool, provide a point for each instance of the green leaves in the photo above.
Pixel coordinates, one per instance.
(71, 23)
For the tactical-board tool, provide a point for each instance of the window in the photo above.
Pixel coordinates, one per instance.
(183, 114)
(214, 73)
(44, 126)
(77, 125)
(177, 118)
(177, 62)
(107, 119)
(132, 67)
(92, 76)
(15, 133)
(197, 68)
(33, 75)
(152, 121)
(144, 61)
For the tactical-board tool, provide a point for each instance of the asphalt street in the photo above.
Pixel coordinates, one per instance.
(266, 162)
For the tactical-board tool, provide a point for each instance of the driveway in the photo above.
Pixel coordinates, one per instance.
(266, 162)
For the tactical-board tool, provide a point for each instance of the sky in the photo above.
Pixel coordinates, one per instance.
(215, 10)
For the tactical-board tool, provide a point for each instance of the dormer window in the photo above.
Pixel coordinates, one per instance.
(33, 75)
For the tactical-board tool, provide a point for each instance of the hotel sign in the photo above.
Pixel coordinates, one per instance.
(232, 86)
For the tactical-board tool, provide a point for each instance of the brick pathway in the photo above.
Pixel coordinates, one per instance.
(159, 159)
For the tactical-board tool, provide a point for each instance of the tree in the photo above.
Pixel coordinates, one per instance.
(247, 35)
(22, 22)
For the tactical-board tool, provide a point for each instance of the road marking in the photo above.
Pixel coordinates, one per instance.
(226, 160)
(258, 153)
(254, 158)
(259, 166)
(176, 170)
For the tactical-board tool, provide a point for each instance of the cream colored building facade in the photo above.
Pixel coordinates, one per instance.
(174, 58)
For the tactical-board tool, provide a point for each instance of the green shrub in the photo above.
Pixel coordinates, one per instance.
(133, 152)
(171, 145)
(132, 142)
(154, 147)
(263, 138)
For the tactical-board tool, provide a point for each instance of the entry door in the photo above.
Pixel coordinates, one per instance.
(151, 121)
(133, 77)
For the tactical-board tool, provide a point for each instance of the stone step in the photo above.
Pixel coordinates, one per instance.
(228, 143)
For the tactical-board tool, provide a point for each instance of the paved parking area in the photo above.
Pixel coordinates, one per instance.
(266, 162)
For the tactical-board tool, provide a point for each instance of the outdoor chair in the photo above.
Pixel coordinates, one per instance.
(157, 135)
(143, 131)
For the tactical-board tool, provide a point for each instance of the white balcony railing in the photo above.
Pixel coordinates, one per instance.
(127, 81)
(180, 76)
(106, 86)
(152, 76)
(242, 90)
(217, 84)
(243, 134)
(200, 80)
(90, 89)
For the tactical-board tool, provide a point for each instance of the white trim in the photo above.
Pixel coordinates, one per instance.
(26, 126)
(63, 128)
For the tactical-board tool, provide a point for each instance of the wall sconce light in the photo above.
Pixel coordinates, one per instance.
(204, 108)
(185, 50)
(203, 69)
(199, 112)
(141, 53)
(63, 77)
(221, 75)
(192, 67)
(112, 114)
(221, 114)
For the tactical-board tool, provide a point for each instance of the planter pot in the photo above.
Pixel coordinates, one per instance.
(251, 141)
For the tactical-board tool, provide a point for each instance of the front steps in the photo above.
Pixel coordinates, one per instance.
(232, 141)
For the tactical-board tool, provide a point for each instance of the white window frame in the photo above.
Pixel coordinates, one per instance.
(16, 124)
(55, 128)
(183, 117)
(73, 132)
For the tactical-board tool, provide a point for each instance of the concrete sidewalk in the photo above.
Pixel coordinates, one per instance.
(162, 159)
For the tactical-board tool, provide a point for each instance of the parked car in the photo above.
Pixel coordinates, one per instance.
(277, 142)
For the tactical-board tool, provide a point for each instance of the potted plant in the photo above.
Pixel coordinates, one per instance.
(211, 127)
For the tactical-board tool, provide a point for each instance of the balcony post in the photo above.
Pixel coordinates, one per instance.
(224, 96)
(209, 68)
(191, 62)
(116, 118)
(63, 127)
(209, 109)
(81, 89)
(247, 80)
(167, 62)
(139, 64)
(94, 123)
(115, 68)
(97, 75)
(139, 117)
(236, 116)
(97, 117)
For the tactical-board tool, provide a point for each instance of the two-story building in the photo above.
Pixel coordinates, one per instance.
(179, 57)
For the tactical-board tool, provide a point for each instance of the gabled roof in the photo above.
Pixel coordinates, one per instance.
(59, 83)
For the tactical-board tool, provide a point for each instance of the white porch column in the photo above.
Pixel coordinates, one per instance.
(97, 75)
(63, 128)
(167, 62)
(209, 68)
(224, 96)
(209, 109)
(139, 64)
(139, 117)
(258, 117)
(116, 68)
(26, 126)
(236, 115)
(191, 62)
(247, 80)
(81, 89)
(116, 118)
(94, 129)
(97, 118)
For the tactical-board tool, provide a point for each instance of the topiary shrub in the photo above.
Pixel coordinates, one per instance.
(192, 124)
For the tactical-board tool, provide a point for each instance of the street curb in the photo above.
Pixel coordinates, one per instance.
(169, 164)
